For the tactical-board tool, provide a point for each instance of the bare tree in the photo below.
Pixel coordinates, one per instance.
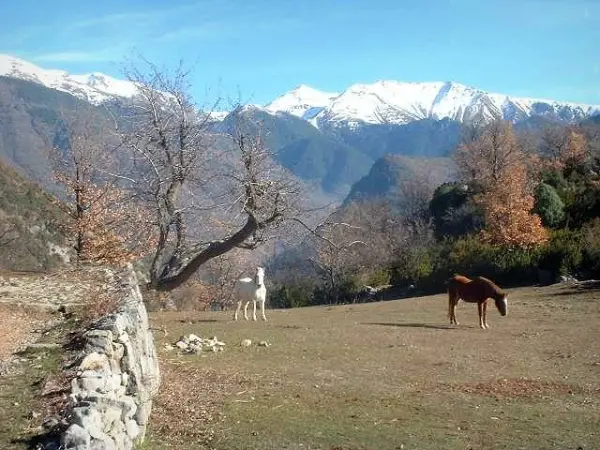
(490, 157)
(358, 240)
(335, 257)
(177, 169)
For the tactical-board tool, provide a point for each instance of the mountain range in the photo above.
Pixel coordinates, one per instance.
(328, 138)
(399, 103)
(383, 102)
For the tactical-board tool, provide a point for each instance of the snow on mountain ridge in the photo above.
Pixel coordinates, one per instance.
(94, 87)
(302, 101)
(396, 102)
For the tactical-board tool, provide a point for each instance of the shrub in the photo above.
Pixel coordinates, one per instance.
(293, 296)
(378, 277)
(549, 206)
(412, 265)
(591, 248)
(469, 256)
(564, 252)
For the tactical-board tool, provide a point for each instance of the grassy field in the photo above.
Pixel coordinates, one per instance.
(389, 375)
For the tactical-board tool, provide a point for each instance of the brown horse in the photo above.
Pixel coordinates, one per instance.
(477, 291)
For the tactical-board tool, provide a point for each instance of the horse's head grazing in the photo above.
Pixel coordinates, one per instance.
(502, 304)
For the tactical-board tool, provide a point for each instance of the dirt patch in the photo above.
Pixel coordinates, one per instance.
(513, 388)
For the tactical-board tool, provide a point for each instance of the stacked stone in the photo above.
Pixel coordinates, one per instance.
(111, 396)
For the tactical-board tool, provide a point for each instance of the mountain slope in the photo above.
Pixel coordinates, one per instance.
(404, 181)
(30, 115)
(30, 220)
(301, 148)
(427, 137)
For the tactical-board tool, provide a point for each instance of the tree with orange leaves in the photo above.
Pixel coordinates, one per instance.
(495, 161)
(106, 225)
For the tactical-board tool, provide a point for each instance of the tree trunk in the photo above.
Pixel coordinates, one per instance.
(215, 249)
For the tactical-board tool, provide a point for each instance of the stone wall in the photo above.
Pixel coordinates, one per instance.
(118, 374)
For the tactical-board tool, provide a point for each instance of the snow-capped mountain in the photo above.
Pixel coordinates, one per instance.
(398, 103)
(93, 87)
(382, 102)
(303, 101)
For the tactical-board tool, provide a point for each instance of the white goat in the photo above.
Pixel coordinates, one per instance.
(249, 290)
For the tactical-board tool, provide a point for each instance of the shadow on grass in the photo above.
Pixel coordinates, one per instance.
(412, 325)
(193, 321)
(579, 288)
(48, 439)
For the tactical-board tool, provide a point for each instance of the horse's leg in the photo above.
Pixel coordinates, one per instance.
(254, 310)
(485, 324)
(480, 311)
(246, 309)
(262, 309)
(454, 310)
(452, 302)
(237, 310)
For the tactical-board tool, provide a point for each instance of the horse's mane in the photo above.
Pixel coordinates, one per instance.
(460, 278)
(493, 285)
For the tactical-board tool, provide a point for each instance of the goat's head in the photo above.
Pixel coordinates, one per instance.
(260, 275)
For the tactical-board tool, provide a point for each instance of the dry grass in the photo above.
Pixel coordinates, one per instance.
(100, 303)
(16, 327)
(386, 375)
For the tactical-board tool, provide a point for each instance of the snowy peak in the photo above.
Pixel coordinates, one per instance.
(303, 101)
(394, 102)
(94, 88)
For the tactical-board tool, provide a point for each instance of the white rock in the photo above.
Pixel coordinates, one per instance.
(95, 361)
(246, 343)
(76, 437)
(133, 430)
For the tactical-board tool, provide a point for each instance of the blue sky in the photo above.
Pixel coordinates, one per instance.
(258, 49)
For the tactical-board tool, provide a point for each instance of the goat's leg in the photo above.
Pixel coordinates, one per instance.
(480, 312)
(254, 310)
(262, 309)
(246, 310)
(485, 324)
(237, 310)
